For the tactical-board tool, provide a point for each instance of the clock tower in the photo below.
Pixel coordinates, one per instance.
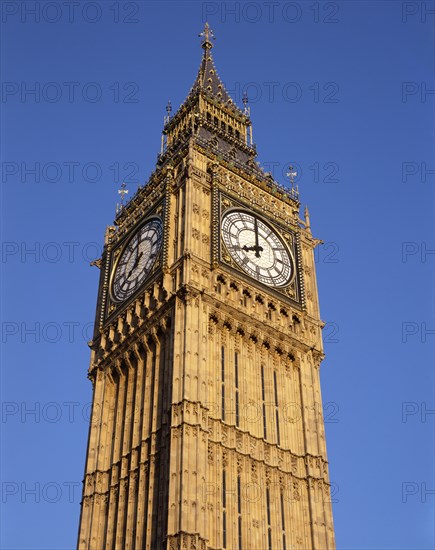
(207, 429)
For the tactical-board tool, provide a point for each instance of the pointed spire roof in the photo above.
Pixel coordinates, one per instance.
(209, 84)
(208, 79)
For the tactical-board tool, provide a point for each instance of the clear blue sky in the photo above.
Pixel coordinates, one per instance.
(341, 89)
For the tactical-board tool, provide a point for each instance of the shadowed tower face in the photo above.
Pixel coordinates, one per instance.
(207, 429)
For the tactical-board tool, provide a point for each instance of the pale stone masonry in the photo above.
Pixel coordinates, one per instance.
(207, 429)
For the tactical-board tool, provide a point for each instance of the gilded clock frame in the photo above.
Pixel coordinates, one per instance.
(294, 290)
(266, 222)
(119, 251)
(110, 307)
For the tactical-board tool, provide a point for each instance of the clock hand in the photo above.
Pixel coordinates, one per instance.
(138, 258)
(244, 247)
(250, 248)
(257, 247)
(136, 263)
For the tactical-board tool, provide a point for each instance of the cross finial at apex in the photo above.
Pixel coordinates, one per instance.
(207, 34)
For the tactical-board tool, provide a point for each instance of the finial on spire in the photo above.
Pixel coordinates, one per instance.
(292, 174)
(245, 101)
(307, 218)
(207, 34)
(168, 111)
(123, 191)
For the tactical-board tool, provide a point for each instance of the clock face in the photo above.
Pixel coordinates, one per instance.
(136, 260)
(257, 248)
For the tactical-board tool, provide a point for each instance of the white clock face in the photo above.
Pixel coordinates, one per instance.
(257, 248)
(136, 260)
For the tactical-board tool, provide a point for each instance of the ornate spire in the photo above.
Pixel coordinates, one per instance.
(207, 78)
(307, 219)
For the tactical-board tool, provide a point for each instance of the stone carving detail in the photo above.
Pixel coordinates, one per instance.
(224, 459)
(210, 455)
(224, 434)
(254, 475)
(253, 445)
(296, 491)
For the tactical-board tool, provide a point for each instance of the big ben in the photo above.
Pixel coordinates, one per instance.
(207, 429)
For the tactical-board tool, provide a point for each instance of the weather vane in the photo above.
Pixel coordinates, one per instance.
(292, 174)
(123, 191)
(245, 103)
(168, 111)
